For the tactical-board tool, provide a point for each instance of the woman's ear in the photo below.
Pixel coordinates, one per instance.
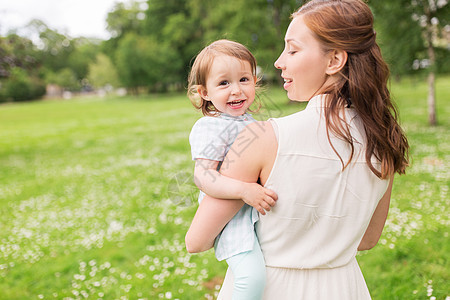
(338, 59)
(201, 90)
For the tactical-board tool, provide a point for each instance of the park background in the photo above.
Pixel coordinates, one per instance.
(96, 188)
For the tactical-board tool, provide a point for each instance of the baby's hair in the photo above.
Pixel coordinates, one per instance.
(202, 65)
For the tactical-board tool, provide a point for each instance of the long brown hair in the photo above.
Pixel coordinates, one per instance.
(348, 25)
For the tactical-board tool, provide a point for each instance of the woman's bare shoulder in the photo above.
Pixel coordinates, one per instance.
(254, 150)
(260, 129)
(262, 142)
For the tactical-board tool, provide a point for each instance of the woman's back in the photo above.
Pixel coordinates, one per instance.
(322, 211)
(310, 237)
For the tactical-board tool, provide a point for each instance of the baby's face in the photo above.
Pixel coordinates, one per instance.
(230, 85)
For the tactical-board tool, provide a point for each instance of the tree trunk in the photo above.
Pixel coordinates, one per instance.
(431, 75)
(431, 100)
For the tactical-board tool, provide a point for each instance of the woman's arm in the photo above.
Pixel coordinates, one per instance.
(251, 155)
(214, 184)
(211, 217)
(376, 225)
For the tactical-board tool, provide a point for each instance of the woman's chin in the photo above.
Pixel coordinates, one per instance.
(296, 98)
(291, 96)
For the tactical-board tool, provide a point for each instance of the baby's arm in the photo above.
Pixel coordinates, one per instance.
(213, 214)
(211, 182)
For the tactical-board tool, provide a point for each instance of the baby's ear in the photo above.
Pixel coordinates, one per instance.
(201, 90)
(338, 59)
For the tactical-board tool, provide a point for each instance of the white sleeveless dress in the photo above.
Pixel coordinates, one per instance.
(310, 237)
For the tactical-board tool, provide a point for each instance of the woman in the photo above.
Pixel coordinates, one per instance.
(332, 165)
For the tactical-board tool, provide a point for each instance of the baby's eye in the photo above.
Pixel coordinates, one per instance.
(244, 79)
(292, 52)
(224, 82)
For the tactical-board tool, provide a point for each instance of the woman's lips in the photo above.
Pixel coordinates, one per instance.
(287, 83)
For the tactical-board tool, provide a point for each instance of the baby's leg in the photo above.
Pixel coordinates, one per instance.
(249, 273)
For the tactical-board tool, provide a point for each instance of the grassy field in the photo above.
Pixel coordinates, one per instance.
(96, 196)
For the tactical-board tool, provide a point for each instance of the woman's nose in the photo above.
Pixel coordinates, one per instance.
(279, 64)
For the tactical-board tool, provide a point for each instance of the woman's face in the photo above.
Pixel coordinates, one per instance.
(303, 62)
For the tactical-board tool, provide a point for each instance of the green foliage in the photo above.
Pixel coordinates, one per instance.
(55, 48)
(125, 18)
(19, 70)
(189, 26)
(173, 24)
(258, 24)
(89, 203)
(84, 53)
(401, 44)
(19, 86)
(402, 31)
(65, 78)
(59, 53)
(102, 72)
(142, 61)
(17, 51)
(54, 56)
(122, 19)
(443, 57)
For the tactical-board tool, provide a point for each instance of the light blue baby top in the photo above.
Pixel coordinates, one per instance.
(211, 138)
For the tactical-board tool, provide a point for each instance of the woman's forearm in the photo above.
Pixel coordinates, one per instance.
(211, 217)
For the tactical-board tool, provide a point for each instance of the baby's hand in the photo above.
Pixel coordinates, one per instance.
(259, 197)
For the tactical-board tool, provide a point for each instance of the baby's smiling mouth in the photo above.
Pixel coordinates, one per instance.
(236, 102)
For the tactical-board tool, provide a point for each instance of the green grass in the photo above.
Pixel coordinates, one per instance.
(96, 196)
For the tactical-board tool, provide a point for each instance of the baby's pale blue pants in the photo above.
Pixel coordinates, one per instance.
(249, 271)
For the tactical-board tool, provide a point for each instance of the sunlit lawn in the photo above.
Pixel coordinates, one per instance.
(96, 196)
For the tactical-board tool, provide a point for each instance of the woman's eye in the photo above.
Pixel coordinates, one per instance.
(292, 52)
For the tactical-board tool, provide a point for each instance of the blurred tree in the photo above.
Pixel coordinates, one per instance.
(172, 23)
(258, 24)
(17, 87)
(122, 19)
(145, 62)
(102, 72)
(189, 26)
(44, 54)
(84, 53)
(60, 55)
(125, 17)
(19, 70)
(412, 31)
(17, 51)
(55, 48)
(65, 78)
(20, 86)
